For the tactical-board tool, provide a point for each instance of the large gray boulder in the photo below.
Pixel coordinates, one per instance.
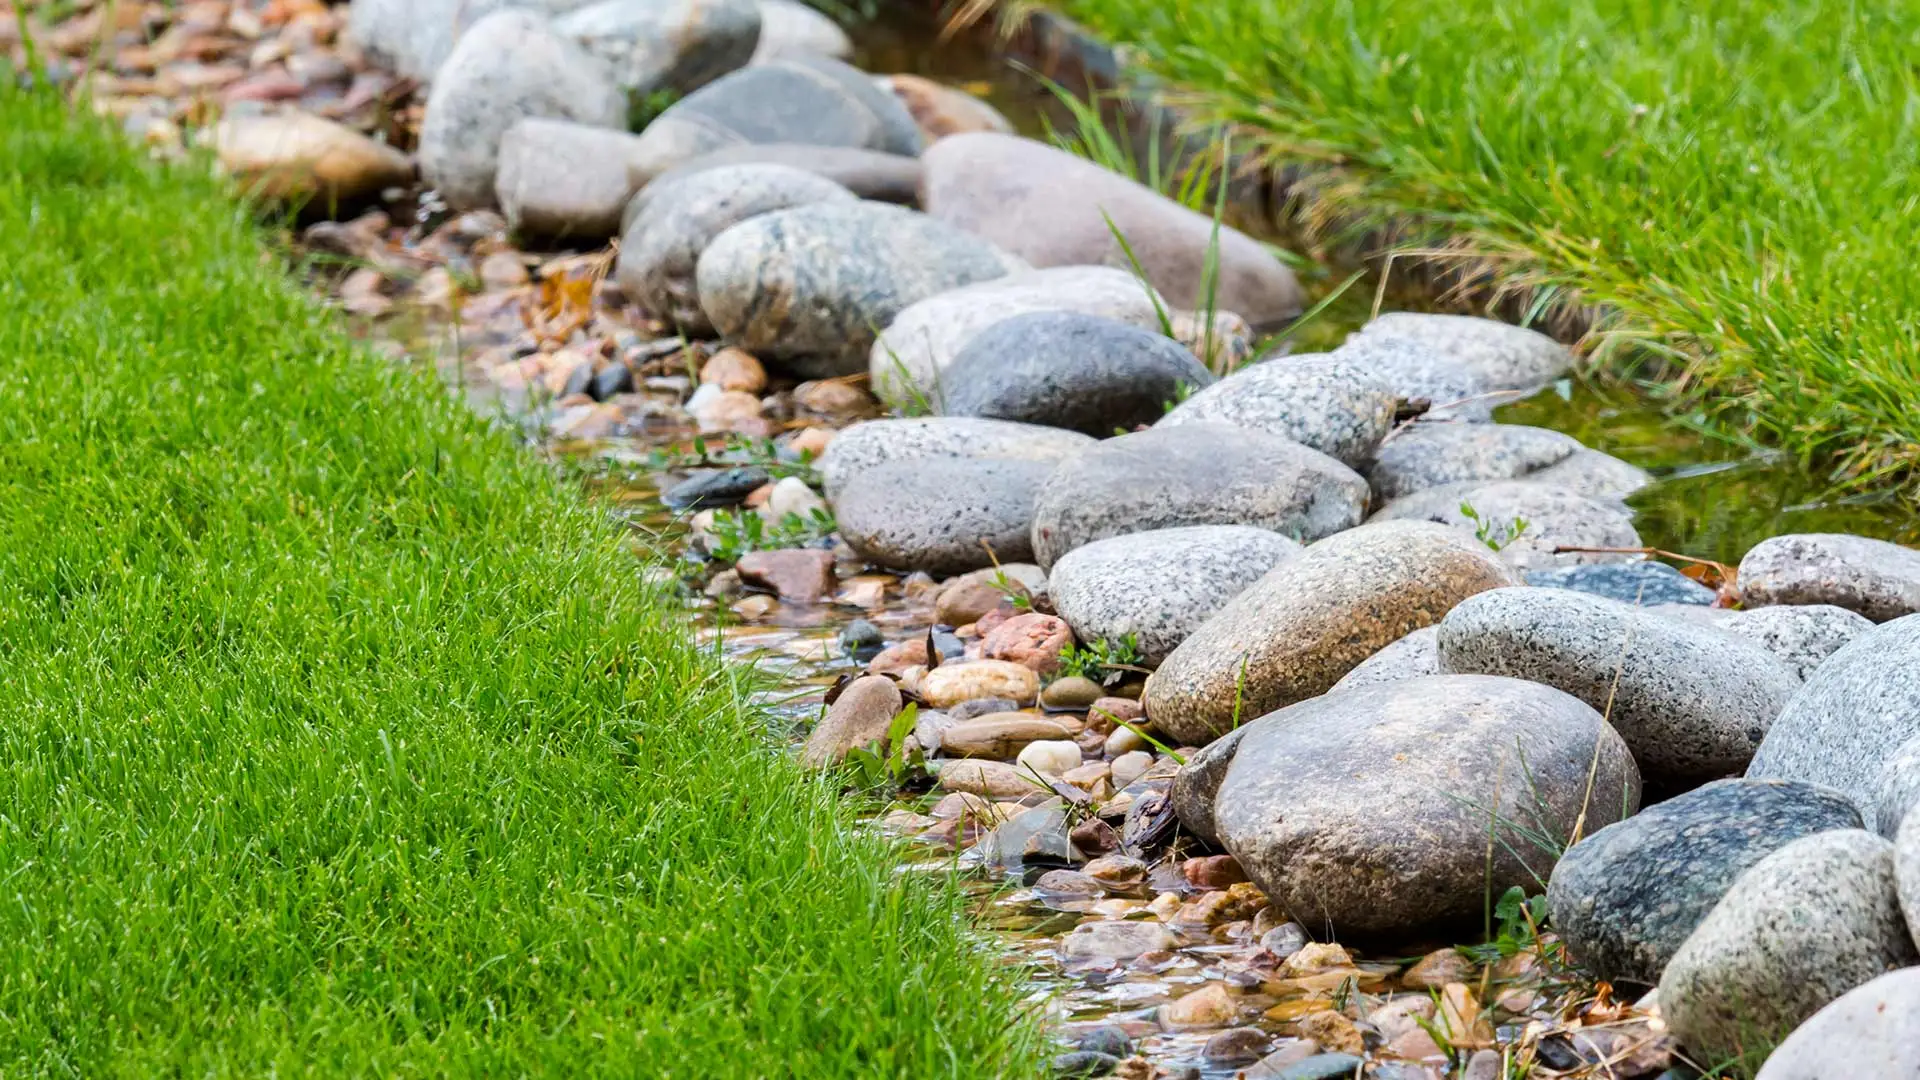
(870, 174)
(1798, 929)
(1162, 585)
(1625, 898)
(941, 515)
(812, 285)
(563, 181)
(1873, 577)
(511, 66)
(1452, 390)
(1802, 636)
(1527, 521)
(878, 442)
(1432, 453)
(414, 37)
(1312, 619)
(1692, 701)
(1896, 791)
(1195, 474)
(1368, 811)
(655, 45)
(1871, 1030)
(1323, 402)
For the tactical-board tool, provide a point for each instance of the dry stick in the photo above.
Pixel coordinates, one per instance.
(1570, 549)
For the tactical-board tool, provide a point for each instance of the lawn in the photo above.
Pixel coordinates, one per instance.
(338, 737)
(1736, 181)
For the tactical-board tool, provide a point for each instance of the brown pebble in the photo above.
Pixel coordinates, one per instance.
(734, 369)
(803, 576)
(1213, 872)
(1333, 1031)
(1437, 969)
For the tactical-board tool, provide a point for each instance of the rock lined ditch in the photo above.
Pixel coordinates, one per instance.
(1256, 690)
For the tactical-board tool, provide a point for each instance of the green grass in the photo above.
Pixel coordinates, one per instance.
(340, 738)
(1739, 183)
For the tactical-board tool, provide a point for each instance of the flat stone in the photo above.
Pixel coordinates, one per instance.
(879, 442)
(1856, 710)
(1368, 810)
(1452, 390)
(1113, 939)
(1194, 474)
(1313, 618)
(1160, 586)
(674, 45)
(1329, 404)
(988, 779)
(951, 684)
(802, 576)
(1692, 701)
(297, 156)
(510, 66)
(941, 110)
(870, 174)
(1065, 369)
(1430, 453)
(1641, 584)
(715, 487)
(968, 597)
(560, 180)
(1503, 356)
(1554, 517)
(1625, 898)
(1798, 929)
(1871, 1030)
(859, 717)
(1411, 657)
(661, 246)
(1000, 736)
(1801, 636)
(788, 28)
(1873, 577)
(1055, 209)
(1031, 638)
(1083, 1065)
(812, 285)
(941, 515)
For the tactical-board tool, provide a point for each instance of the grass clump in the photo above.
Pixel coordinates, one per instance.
(337, 738)
(1734, 181)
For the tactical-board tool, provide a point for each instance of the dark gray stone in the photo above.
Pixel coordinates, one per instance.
(1368, 810)
(1069, 370)
(1160, 586)
(1084, 1064)
(1626, 897)
(662, 243)
(1107, 1039)
(1327, 403)
(1873, 577)
(678, 45)
(719, 487)
(1554, 517)
(1801, 636)
(941, 515)
(615, 378)
(861, 640)
(1872, 1030)
(1798, 929)
(812, 286)
(1194, 474)
(1692, 701)
(1198, 781)
(1433, 453)
(878, 442)
(1642, 584)
(870, 174)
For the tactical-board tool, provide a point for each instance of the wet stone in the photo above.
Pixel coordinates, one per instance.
(719, 488)
(1084, 1064)
(861, 641)
(858, 717)
(943, 516)
(1236, 1045)
(1321, 1067)
(1107, 1039)
(1640, 583)
(1335, 407)
(802, 576)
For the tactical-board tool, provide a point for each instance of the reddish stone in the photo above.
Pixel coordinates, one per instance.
(1032, 640)
(899, 656)
(1213, 872)
(802, 576)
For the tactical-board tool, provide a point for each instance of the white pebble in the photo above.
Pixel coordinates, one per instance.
(1128, 767)
(1050, 757)
(1124, 741)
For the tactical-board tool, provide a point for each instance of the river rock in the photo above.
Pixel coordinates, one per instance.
(295, 156)
(1068, 370)
(860, 716)
(414, 37)
(1000, 736)
(1642, 584)
(1194, 474)
(1162, 585)
(1554, 517)
(511, 66)
(1113, 939)
(788, 28)
(1856, 710)
(1198, 781)
(1031, 638)
(1313, 618)
(662, 244)
(804, 576)
(870, 174)
(909, 361)
(1432, 453)
(813, 284)
(879, 442)
(795, 99)
(1626, 897)
(941, 515)
(1503, 356)
(942, 110)
(1335, 407)
(1801, 636)
(1367, 811)
(950, 684)
(1054, 209)
(1452, 391)
(1798, 929)
(1896, 791)
(970, 596)
(561, 180)
(674, 45)
(1871, 1030)
(1692, 701)
(1595, 475)
(1411, 657)
(988, 779)
(1873, 577)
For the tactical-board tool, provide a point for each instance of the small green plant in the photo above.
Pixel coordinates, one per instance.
(735, 533)
(1094, 138)
(736, 450)
(884, 764)
(1103, 661)
(1490, 532)
(643, 109)
(1517, 920)
(1181, 392)
(1015, 592)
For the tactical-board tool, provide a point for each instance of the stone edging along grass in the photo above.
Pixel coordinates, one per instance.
(341, 738)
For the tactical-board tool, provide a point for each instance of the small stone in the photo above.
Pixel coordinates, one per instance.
(1050, 757)
(1436, 969)
(941, 515)
(1107, 1039)
(1213, 872)
(1001, 736)
(1068, 883)
(791, 497)
(1484, 1065)
(1332, 1031)
(1123, 742)
(1236, 1045)
(898, 657)
(714, 409)
(1106, 939)
(978, 707)
(1642, 584)
(1032, 639)
(808, 444)
(859, 717)
(1329, 404)
(1460, 1018)
(1802, 636)
(1117, 872)
(1284, 940)
(1403, 1013)
(1873, 577)
(503, 270)
(802, 576)
(298, 156)
(879, 442)
(734, 369)
(1211, 1006)
(992, 779)
(1416, 1045)
(951, 684)
(1872, 1030)
(715, 488)
(1083, 1064)
(861, 641)
(789, 28)
(1071, 692)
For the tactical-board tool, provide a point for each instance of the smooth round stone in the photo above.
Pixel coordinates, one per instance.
(1055, 209)
(1625, 898)
(1071, 692)
(1642, 584)
(1333, 406)
(1113, 939)
(1411, 657)
(860, 716)
(1434, 453)
(1906, 867)
(1554, 516)
(943, 516)
(1000, 736)
(662, 244)
(1194, 474)
(795, 99)
(1067, 370)
(1801, 636)
(510, 66)
(678, 45)
(1873, 577)
(909, 361)
(1595, 475)
(561, 180)
(870, 174)
(1798, 929)
(879, 442)
(1368, 810)
(414, 37)
(1856, 710)
(941, 110)
(1896, 791)
(1160, 586)
(951, 684)
(812, 285)
(1871, 1030)
(1452, 391)
(1504, 356)
(1312, 619)
(298, 156)
(1692, 701)
(788, 28)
